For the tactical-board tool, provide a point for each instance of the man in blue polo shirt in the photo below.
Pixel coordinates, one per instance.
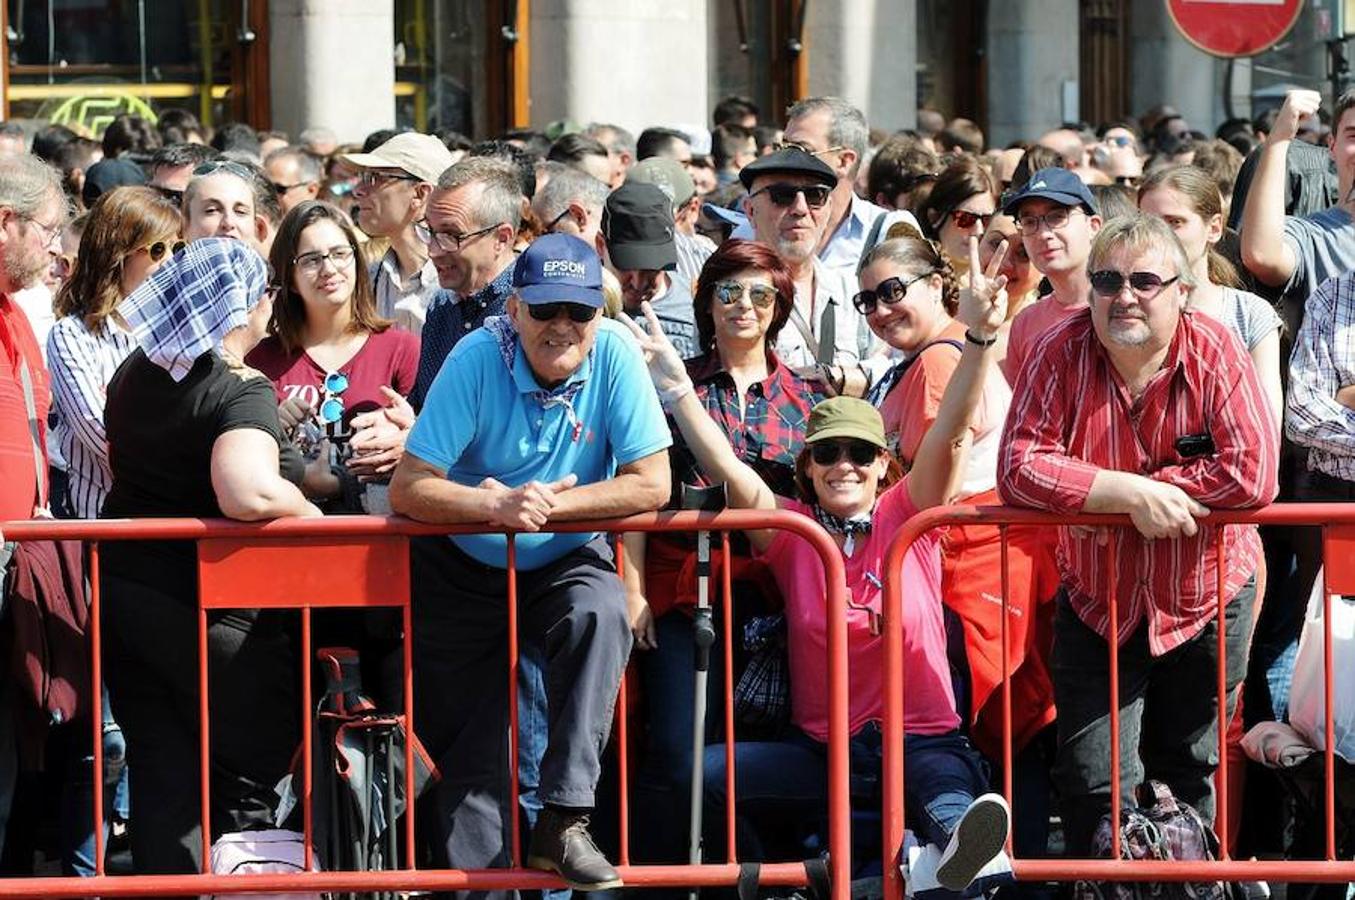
(543, 415)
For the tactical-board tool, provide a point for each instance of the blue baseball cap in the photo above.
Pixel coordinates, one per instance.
(558, 267)
(1056, 184)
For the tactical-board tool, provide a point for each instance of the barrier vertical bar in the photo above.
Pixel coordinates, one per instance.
(96, 678)
(622, 736)
(307, 723)
(727, 587)
(1329, 750)
(839, 811)
(407, 622)
(516, 825)
(1113, 602)
(204, 737)
(1221, 802)
(1008, 752)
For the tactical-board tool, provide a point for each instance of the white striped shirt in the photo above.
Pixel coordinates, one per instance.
(1323, 362)
(82, 363)
(692, 252)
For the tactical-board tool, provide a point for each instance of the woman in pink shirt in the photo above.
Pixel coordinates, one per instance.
(850, 484)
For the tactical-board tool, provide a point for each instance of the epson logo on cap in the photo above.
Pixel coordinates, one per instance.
(563, 267)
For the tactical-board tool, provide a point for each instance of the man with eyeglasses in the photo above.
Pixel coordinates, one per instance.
(638, 248)
(394, 183)
(544, 415)
(788, 204)
(835, 132)
(1057, 218)
(1136, 406)
(32, 213)
(470, 227)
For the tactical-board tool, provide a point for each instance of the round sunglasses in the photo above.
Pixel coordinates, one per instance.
(158, 250)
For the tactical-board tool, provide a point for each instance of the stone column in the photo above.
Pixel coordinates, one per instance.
(1032, 66)
(638, 63)
(1169, 69)
(332, 64)
(865, 51)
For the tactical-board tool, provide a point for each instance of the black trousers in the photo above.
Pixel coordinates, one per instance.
(151, 669)
(574, 610)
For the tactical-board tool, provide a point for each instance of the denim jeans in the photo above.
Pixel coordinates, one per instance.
(533, 732)
(77, 797)
(782, 786)
(1168, 714)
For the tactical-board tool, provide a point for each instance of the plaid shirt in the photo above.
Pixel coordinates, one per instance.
(767, 433)
(1323, 363)
(1072, 416)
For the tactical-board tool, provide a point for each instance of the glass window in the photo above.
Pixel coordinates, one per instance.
(443, 66)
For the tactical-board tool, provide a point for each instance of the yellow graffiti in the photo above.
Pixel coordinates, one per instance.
(94, 112)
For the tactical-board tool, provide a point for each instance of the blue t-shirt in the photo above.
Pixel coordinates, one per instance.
(482, 420)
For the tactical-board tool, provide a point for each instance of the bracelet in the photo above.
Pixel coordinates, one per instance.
(970, 337)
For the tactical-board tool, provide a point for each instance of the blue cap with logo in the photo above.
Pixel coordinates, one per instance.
(1056, 184)
(559, 267)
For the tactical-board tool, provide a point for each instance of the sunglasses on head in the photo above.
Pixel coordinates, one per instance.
(887, 292)
(1108, 283)
(157, 250)
(578, 312)
(828, 453)
(783, 194)
(964, 219)
(763, 296)
(240, 170)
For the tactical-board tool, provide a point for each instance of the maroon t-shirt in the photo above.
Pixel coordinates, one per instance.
(389, 358)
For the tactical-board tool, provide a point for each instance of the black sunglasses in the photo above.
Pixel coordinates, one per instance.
(888, 292)
(827, 453)
(1108, 283)
(784, 194)
(578, 312)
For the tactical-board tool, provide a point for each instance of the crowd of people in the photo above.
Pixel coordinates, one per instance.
(822, 318)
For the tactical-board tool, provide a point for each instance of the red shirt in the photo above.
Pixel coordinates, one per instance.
(389, 358)
(1031, 324)
(18, 475)
(1073, 416)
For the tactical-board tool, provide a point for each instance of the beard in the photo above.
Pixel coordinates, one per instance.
(22, 268)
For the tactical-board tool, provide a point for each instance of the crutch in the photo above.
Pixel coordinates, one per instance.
(706, 499)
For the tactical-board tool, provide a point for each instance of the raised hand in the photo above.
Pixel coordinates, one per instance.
(1298, 105)
(982, 305)
(666, 368)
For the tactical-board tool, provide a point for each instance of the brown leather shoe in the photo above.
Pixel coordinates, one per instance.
(561, 844)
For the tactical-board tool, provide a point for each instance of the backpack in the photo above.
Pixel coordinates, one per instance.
(1161, 827)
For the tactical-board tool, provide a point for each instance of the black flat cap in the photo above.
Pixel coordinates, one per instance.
(788, 161)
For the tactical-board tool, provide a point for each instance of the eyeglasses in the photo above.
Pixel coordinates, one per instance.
(331, 408)
(156, 251)
(828, 453)
(212, 166)
(281, 189)
(170, 194)
(1029, 223)
(784, 194)
(311, 263)
(550, 226)
(763, 296)
(50, 233)
(887, 292)
(449, 241)
(805, 148)
(1108, 283)
(578, 312)
(372, 178)
(964, 219)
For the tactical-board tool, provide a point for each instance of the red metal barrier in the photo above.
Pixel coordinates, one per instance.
(1338, 523)
(361, 561)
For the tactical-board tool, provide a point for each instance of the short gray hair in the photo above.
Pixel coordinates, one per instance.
(621, 139)
(569, 186)
(26, 183)
(500, 198)
(308, 167)
(1139, 232)
(846, 124)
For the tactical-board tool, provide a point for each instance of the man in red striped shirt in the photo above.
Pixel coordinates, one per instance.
(1135, 406)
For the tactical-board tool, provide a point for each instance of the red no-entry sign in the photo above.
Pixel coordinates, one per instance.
(1234, 27)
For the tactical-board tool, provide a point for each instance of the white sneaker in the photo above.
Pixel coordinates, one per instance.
(979, 836)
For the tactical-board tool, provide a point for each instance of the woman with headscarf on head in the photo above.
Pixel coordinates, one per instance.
(193, 432)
